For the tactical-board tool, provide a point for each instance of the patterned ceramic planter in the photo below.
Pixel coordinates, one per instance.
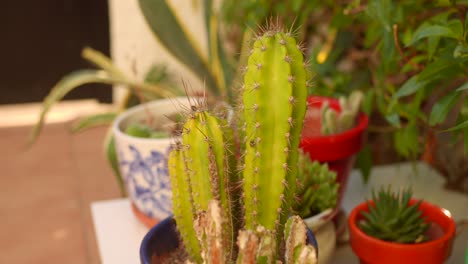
(143, 161)
(324, 230)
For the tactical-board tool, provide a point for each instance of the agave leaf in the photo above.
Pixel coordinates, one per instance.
(101, 61)
(220, 66)
(111, 155)
(94, 121)
(81, 77)
(175, 37)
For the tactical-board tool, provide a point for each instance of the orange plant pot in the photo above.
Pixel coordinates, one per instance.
(435, 251)
(146, 220)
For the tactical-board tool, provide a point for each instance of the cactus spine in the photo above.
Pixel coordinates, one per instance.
(274, 100)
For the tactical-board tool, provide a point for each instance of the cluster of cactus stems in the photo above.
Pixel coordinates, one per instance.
(334, 122)
(233, 204)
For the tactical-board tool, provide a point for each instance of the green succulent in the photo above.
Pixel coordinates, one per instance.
(317, 187)
(392, 218)
(334, 122)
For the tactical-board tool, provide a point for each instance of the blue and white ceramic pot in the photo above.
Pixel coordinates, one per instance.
(143, 161)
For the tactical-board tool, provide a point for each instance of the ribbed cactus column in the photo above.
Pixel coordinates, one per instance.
(204, 167)
(274, 99)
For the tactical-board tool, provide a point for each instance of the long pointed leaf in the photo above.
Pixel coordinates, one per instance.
(111, 155)
(101, 61)
(170, 32)
(81, 77)
(94, 121)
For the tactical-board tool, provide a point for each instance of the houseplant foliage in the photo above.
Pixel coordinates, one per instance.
(408, 57)
(317, 187)
(223, 188)
(393, 227)
(391, 218)
(213, 68)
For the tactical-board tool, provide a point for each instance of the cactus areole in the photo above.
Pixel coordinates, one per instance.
(224, 206)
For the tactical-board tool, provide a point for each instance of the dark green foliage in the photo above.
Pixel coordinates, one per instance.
(410, 58)
(392, 218)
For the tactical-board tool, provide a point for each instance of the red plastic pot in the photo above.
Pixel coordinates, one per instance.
(435, 251)
(337, 150)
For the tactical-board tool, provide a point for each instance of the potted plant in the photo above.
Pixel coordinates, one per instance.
(394, 228)
(143, 137)
(125, 149)
(334, 131)
(226, 180)
(317, 196)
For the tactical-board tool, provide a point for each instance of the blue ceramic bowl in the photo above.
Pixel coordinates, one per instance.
(163, 238)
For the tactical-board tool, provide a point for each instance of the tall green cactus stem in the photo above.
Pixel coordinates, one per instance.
(274, 100)
(208, 164)
(184, 211)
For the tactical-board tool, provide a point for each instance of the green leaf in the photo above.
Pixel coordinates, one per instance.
(406, 140)
(220, 68)
(442, 108)
(432, 31)
(93, 121)
(463, 87)
(460, 52)
(364, 162)
(101, 61)
(368, 102)
(393, 119)
(410, 87)
(432, 70)
(78, 78)
(111, 155)
(170, 32)
(456, 27)
(66, 85)
(461, 125)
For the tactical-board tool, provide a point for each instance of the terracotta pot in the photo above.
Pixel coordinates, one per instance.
(337, 150)
(143, 161)
(435, 251)
(163, 238)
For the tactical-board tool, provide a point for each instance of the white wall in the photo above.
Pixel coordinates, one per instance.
(133, 45)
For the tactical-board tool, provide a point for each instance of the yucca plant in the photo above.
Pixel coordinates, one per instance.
(391, 217)
(214, 69)
(223, 193)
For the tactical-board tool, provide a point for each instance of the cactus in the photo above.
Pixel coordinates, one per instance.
(210, 192)
(318, 189)
(333, 122)
(274, 100)
(295, 235)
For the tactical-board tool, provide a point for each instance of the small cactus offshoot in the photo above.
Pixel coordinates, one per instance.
(392, 218)
(233, 191)
(334, 122)
(317, 187)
